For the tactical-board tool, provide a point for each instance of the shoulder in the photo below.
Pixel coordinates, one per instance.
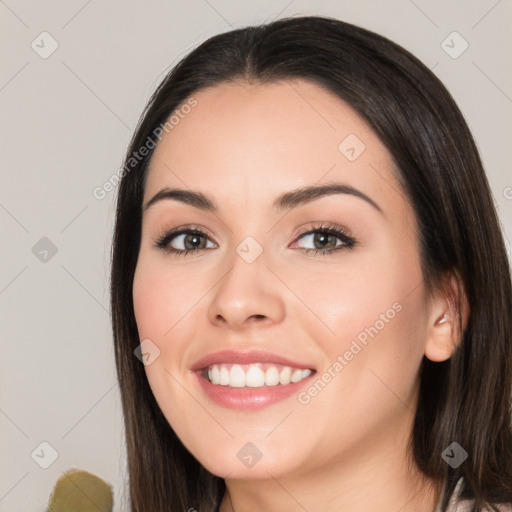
(458, 505)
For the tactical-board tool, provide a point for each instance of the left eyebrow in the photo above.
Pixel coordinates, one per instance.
(305, 195)
(286, 201)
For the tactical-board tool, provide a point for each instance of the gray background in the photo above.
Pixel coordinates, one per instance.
(66, 122)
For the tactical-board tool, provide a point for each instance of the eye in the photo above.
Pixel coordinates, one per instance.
(191, 239)
(323, 238)
(183, 241)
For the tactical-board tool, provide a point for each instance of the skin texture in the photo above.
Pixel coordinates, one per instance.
(243, 145)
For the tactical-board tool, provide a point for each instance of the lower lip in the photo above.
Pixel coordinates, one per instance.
(249, 399)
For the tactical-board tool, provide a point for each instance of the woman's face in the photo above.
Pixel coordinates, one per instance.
(314, 355)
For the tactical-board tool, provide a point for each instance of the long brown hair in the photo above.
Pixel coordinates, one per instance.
(466, 399)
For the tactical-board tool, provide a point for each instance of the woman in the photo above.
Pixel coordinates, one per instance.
(308, 261)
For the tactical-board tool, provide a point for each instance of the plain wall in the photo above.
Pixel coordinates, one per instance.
(66, 121)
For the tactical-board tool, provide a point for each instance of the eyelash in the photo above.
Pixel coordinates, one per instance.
(330, 229)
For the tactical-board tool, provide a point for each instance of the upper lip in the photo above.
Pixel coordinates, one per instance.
(245, 357)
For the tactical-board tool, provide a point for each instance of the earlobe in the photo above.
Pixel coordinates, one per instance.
(440, 345)
(444, 330)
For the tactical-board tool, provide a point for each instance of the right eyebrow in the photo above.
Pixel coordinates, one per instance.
(196, 199)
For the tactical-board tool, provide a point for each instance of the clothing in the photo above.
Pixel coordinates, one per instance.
(465, 505)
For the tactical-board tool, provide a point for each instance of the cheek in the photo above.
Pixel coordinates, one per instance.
(164, 311)
(361, 291)
(164, 301)
(360, 302)
(374, 317)
(371, 363)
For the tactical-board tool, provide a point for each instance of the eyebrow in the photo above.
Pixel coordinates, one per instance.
(286, 201)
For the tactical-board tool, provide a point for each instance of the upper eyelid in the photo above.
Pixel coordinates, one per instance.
(314, 227)
(323, 226)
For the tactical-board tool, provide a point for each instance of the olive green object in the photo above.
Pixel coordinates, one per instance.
(80, 491)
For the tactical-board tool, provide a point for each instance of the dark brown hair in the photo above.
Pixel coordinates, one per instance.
(466, 399)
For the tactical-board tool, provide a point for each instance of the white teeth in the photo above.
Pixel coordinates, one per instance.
(285, 376)
(272, 376)
(215, 375)
(236, 376)
(224, 376)
(253, 375)
(254, 378)
(306, 373)
(296, 376)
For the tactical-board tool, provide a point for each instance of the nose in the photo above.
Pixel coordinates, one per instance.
(248, 294)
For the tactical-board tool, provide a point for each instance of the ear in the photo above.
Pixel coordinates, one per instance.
(446, 325)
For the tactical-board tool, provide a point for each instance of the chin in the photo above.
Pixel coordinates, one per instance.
(241, 459)
(230, 467)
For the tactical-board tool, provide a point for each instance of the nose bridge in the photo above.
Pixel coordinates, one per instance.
(247, 291)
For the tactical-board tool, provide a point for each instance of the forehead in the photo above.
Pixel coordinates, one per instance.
(260, 139)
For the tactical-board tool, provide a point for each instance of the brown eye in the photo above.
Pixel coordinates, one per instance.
(192, 241)
(183, 241)
(326, 239)
(322, 240)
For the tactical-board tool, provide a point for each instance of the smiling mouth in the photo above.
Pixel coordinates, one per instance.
(254, 375)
